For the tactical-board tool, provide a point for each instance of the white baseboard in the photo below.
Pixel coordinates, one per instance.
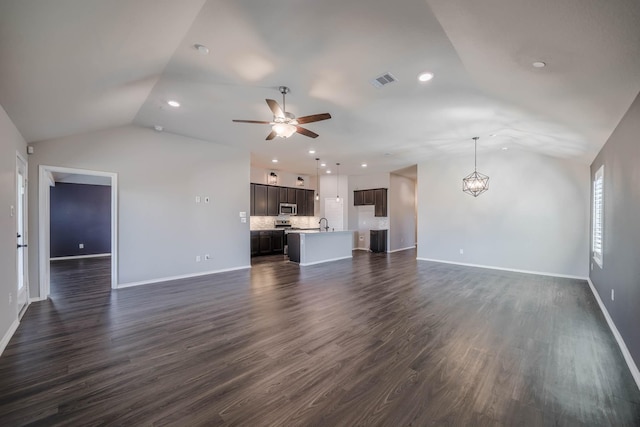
(514, 270)
(183, 276)
(7, 337)
(62, 258)
(37, 299)
(326, 260)
(402, 249)
(361, 249)
(623, 346)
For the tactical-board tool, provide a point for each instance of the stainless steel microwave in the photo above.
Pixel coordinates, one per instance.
(288, 209)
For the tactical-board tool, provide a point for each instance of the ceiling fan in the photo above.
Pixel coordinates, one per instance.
(285, 124)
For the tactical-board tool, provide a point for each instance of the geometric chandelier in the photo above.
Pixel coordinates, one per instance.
(475, 183)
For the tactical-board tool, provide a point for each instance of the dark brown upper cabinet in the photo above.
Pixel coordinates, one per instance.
(265, 200)
(376, 197)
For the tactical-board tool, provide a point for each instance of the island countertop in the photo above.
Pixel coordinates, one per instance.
(308, 247)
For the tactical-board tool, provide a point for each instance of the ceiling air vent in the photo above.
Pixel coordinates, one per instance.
(383, 80)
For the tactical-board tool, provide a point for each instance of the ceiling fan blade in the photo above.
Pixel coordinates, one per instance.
(275, 108)
(313, 118)
(260, 122)
(306, 132)
(271, 135)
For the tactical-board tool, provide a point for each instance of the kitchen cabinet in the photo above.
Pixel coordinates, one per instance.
(255, 243)
(368, 197)
(260, 200)
(291, 195)
(378, 240)
(273, 201)
(358, 198)
(265, 243)
(284, 195)
(311, 207)
(265, 200)
(376, 197)
(252, 195)
(301, 201)
(380, 202)
(277, 241)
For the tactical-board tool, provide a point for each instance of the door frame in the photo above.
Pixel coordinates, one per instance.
(25, 232)
(45, 180)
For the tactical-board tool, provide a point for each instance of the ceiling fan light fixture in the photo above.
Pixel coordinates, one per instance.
(283, 130)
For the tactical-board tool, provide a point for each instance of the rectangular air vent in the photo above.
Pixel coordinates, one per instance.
(383, 80)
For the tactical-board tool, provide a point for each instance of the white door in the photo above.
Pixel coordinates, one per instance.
(21, 227)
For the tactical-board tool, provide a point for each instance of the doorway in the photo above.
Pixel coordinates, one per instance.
(49, 176)
(22, 291)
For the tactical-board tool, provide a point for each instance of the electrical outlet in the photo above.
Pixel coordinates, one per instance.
(613, 295)
(361, 238)
(461, 251)
(198, 258)
(207, 257)
(207, 199)
(81, 245)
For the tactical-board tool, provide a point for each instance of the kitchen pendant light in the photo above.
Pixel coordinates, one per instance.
(475, 183)
(317, 180)
(337, 182)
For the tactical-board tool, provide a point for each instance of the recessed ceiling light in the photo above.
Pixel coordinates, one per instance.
(539, 64)
(425, 77)
(274, 161)
(173, 103)
(505, 148)
(158, 128)
(364, 165)
(492, 134)
(328, 171)
(312, 151)
(323, 164)
(202, 49)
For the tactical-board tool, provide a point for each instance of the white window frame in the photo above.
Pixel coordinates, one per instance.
(597, 230)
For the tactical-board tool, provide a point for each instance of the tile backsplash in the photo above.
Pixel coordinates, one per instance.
(267, 222)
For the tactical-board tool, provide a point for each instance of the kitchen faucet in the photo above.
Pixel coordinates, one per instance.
(326, 228)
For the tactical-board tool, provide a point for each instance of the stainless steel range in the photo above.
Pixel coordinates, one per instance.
(284, 224)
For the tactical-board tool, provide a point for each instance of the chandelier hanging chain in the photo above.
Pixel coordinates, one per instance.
(475, 153)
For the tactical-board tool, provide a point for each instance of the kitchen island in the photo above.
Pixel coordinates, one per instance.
(315, 247)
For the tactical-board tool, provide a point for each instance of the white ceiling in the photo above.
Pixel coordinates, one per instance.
(70, 66)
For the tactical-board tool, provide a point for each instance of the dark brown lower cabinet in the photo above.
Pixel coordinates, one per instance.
(378, 240)
(267, 242)
(277, 241)
(255, 243)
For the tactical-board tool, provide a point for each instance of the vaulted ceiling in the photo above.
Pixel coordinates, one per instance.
(73, 66)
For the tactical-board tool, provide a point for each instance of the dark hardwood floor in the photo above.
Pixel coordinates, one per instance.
(377, 340)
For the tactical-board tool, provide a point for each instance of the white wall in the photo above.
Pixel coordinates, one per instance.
(534, 217)
(361, 218)
(329, 186)
(10, 142)
(402, 212)
(285, 179)
(161, 228)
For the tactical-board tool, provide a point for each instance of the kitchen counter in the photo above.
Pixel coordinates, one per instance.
(308, 247)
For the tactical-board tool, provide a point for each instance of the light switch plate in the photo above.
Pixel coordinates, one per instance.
(243, 220)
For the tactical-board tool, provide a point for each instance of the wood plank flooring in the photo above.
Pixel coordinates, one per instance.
(379, 340)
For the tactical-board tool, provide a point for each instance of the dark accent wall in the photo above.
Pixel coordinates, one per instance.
(80, 213)
(621, 235)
